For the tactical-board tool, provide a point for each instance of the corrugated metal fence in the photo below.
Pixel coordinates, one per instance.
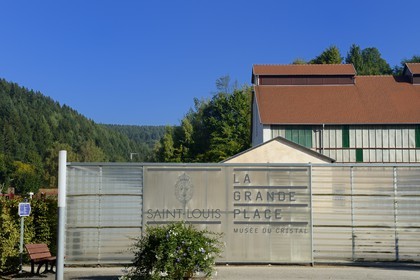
(359, 212)
(104, 212)
(366, 213)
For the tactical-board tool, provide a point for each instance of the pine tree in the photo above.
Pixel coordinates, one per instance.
(330, 56)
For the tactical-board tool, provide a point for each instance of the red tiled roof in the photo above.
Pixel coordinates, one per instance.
(304, 69)
(371, 100)
(414, 67)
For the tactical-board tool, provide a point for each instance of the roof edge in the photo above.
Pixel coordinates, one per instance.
(271, 69)
(286, 142)
(410, 66)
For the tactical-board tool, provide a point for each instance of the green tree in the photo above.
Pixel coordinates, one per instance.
(228, 119)
(89, 152)
(185, 140)
(331, 55)
(373, 63)
(354, 56)
(201, 137)
(165, 149)
(6, 169)
(368, 61)
(26, 178)
(299, 61)
(3, 173)
(51, 161)
(214, 130)
(42, 135)
(399, 69)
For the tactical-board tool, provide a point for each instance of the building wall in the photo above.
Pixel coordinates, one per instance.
(370, 143)
(276, 152)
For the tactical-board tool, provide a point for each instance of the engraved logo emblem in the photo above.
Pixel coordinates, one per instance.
(184, 189)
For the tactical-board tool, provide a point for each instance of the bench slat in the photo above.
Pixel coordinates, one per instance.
(40, 254)
(30, 246)
(37, 250)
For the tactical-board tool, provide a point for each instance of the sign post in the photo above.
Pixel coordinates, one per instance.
(24, 211)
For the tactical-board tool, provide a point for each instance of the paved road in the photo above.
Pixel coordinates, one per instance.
(318, 272)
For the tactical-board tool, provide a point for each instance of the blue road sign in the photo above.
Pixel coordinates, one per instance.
(24, 209)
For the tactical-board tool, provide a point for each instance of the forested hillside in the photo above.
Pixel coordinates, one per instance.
(34, 128)
(146, 134)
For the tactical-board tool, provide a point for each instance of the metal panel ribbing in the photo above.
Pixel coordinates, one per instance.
(397, 258)
(104, 213)
(357, 212)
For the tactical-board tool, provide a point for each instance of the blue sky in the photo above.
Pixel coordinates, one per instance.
(144, 62)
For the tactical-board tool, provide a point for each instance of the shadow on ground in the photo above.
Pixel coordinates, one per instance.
(27, 275)
(386, 265)
(96, 278)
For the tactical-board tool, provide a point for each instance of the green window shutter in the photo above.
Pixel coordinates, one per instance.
(346, 136)
(299, 135)
(295, 135)
(308, 138)
(359, 155)
(288, 133)
(418, 136)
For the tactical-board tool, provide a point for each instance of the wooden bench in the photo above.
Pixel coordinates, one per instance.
(40, 254)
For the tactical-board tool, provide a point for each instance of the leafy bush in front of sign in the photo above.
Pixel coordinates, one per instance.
(175, 251)
(51, 214)
(40, 227)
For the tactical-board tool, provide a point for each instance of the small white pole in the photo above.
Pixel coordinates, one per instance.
(62, 177)
(22, 228)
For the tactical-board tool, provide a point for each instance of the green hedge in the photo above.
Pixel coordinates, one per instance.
(40, 227)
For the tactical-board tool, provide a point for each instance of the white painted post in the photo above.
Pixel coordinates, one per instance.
(22, 228)
(62, 177)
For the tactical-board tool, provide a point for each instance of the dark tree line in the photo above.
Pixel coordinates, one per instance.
(145, 134)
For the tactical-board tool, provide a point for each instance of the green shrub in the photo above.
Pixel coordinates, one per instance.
(40, 227)
(173, 252)
(9, 236)
(52, 222)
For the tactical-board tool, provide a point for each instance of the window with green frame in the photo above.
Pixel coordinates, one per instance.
(301, 135)
(418, 136)
(346, 136)
(359, 155)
